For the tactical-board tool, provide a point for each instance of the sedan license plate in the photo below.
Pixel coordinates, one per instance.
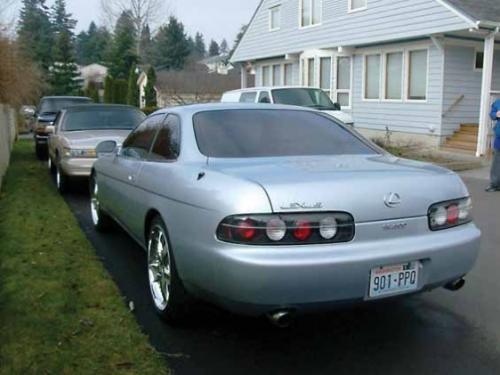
(390, 280)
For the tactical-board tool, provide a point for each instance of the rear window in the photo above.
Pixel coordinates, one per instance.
(271, 133)
(54, 105)
(103, 118)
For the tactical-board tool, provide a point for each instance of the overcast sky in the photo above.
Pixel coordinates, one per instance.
(216, 19)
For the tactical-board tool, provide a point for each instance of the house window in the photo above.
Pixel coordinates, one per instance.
(276, 75)
(479, 61)
(417, 75)
(311, 72)
(310, 12)
(394, 76)
(325, 74)
(266, 76)
(288, 74)
(344, 81)
(372, 77)
(355, 5)
(275, 18)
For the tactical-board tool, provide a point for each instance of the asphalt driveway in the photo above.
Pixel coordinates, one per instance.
(438, 332)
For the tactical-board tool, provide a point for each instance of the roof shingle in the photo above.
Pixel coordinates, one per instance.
(479, 10)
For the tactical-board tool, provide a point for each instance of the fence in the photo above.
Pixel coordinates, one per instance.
(7, 137)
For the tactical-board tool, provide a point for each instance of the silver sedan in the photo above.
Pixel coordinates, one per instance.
(279, 210)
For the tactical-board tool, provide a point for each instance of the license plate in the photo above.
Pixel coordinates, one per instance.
(390, 280)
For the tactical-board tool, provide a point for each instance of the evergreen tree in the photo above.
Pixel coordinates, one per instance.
(92, 92)
(149, 90)
(146, 45)
(200, 50)
(214, 49)
(120, 88)
(239, 36)
(123, 54)
(224, 48)
(133, 88)
(93, 45)
(171, 46)
(64, 71)
(34, 32)
(108, 90)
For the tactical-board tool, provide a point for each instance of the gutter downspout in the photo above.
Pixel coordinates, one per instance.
(484, 119)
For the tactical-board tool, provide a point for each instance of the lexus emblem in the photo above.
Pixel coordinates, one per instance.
(392, 200)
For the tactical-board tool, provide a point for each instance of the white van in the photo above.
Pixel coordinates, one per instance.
(299, 96)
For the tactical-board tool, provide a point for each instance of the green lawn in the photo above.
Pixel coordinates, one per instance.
(60, 312)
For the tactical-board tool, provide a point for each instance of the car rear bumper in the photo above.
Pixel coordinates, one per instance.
(77, 167)
(257, 280)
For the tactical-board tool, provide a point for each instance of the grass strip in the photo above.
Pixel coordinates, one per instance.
(60, 312)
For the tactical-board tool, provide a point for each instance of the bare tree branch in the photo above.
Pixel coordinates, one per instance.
(144, 12)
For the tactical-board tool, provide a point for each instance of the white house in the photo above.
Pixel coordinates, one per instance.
(95, 73)
(427, 70)
(217, 64)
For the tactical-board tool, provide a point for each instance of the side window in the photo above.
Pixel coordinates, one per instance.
(167, 143)
(264, 97)
(248, 97)
(138, 144)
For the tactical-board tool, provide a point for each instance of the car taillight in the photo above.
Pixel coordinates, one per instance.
(302, 230)
(450, 214)
(287, 229)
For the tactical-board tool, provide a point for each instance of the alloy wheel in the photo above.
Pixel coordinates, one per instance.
(159, 267)
(94, 204)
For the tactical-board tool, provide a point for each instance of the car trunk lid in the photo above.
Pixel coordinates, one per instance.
(371, 188)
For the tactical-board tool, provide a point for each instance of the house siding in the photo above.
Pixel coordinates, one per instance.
(384, 20)
(423, 118)
(460, 78)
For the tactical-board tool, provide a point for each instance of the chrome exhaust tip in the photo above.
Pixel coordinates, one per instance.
(281, 319)
(456, 285)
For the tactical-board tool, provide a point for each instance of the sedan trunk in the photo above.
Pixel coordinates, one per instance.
(371, 188)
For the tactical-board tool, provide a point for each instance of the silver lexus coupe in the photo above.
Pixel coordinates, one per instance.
(278, 210)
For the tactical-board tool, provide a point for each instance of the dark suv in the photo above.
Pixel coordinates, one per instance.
(46, 114)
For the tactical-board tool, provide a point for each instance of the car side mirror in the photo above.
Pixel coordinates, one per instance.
(337, 106)
(50, 129)
(106, 147)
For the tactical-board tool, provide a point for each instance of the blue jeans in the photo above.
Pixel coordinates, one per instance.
(495, 170)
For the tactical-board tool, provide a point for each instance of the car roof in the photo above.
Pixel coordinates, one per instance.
(196, 108)
(262, 88)
(67, 97)
(93, 107)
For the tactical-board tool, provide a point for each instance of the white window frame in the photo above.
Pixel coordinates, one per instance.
(335, 89)
(350, 9)
(301, 8)
(317, 55)
(476, 51)
(406, 74)
(365, 58)
(384, 75)
(271, 65)
(271, 10)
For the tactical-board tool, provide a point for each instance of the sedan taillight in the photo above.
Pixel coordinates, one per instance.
(287, 229)
(450, 214)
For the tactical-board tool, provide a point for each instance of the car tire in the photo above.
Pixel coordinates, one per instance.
(102, 221)
(50, 165)
(168, 294)
(40, 152)
(62, 181)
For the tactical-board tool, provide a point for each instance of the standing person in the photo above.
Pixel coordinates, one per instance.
(495, 168)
